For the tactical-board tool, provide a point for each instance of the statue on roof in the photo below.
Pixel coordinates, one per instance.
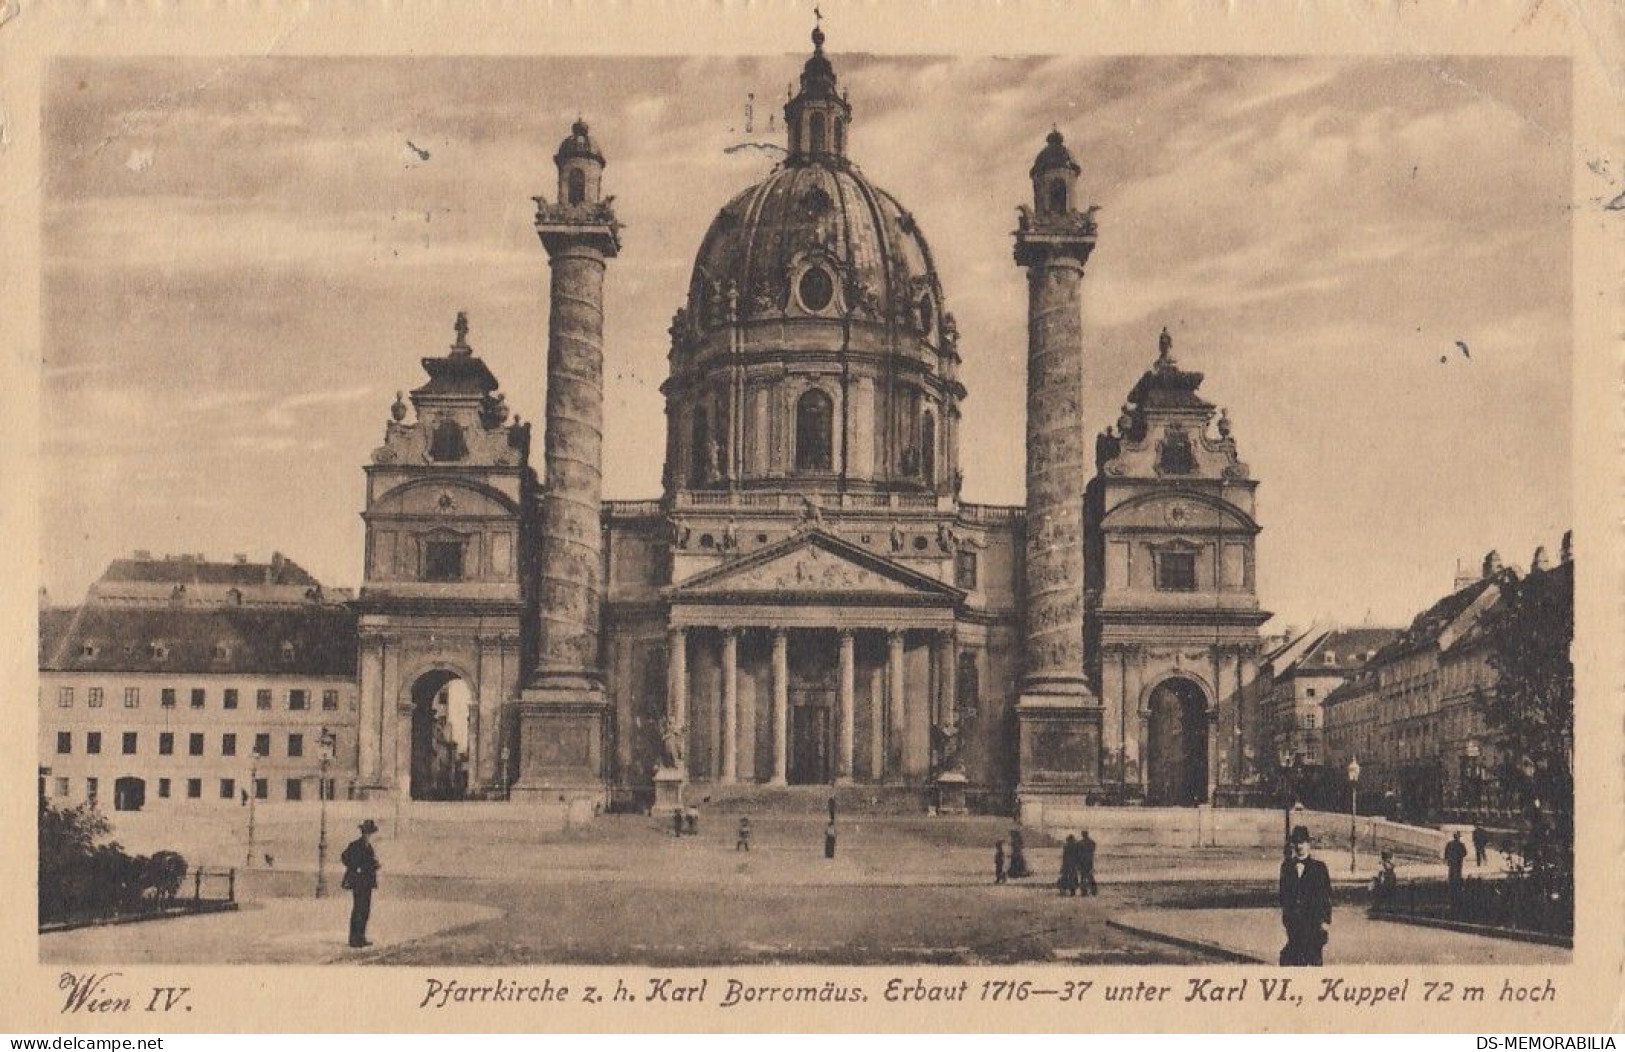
(460, 327)
(1165, 348)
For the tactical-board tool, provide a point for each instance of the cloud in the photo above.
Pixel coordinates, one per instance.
(285, 413)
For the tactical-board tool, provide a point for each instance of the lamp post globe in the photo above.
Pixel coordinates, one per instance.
(1353, 772)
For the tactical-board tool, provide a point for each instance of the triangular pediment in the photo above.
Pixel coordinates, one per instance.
(815, 564)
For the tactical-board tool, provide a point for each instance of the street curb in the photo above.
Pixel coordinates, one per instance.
(136, 918)
(1221, 952)
(1489, 931)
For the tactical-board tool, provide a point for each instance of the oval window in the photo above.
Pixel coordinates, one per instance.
(816, 289)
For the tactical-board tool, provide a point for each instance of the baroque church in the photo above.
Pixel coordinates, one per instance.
(809, 601)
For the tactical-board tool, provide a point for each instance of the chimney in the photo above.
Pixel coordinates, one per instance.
(143, 555)
(1492, 563)
(240, 559)
(1463, 578)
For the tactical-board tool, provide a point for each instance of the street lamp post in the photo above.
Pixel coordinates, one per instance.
(1289, 783)
(253, 793)
(1354, 805)
(328, 741)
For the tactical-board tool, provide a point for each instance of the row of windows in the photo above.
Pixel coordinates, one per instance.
(298, 699)
(130, 743)
(293, 789)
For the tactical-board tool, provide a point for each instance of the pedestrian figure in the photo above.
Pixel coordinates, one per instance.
(1086, 865)
(1481, 840)
(1306, 902)
(1018, 858)
(1068, 882)
(677, 822)
(998, 862)
(360, 878)
(1385, 885)
(829, 840)
(743, 843)
(1455, 855)
(832, 809)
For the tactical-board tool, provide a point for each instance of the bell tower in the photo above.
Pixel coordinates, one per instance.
(1059, 715)
(559, 720)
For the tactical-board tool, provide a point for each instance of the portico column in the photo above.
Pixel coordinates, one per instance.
(947, 670)
(844, 714)
(781, 705)
(896, 716)
(677, 685)
(730, 705)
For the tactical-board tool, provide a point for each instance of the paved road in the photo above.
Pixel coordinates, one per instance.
(900, 890)
(1353, 938)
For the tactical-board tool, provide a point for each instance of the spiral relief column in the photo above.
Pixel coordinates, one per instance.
(562, 712)
(1058, 712)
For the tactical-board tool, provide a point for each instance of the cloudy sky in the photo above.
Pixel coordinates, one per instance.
(246, 259)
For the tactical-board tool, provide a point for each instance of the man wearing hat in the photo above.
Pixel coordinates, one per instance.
(360, 877)
(1306, 902)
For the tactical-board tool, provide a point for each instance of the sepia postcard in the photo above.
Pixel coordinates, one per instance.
(738, 516)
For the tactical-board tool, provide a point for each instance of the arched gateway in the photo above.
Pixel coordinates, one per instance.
(1177, 743)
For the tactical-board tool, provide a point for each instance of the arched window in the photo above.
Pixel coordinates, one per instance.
(815, 415)
(840, 136)
(928, 448)
(815, 132)
(447, 442)
(699, 452)
(1057, 195)
(578, 186)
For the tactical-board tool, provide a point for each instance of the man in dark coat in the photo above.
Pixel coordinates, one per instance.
(360, 877)
(1306, 902)
(1455, 856)
(1481, 840)
(1068, 882)
(1086, 865)
(998, 862)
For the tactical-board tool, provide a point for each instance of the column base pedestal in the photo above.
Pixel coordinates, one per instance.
(1060, 741)
(668, 790)
(560, 733)
(950, 793)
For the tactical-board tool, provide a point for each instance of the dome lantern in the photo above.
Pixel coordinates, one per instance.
(1055, 177)
(581, 167)
(817, 118)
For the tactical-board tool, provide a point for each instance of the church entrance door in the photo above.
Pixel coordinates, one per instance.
(810, 760)
(1176, 764)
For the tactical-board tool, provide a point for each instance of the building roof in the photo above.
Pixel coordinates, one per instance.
(1338, 651)
(1430, 625)
(312, 640)
(195, 569)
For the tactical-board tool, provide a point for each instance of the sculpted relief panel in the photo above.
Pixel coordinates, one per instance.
(808, 569)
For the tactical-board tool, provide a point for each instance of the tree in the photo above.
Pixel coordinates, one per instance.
(1531, 713)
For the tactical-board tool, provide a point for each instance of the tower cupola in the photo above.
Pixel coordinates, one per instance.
(817, 118)
(581, 167)
(1055, 177)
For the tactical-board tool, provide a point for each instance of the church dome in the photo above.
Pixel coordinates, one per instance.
(812, 351)
(815, 239)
